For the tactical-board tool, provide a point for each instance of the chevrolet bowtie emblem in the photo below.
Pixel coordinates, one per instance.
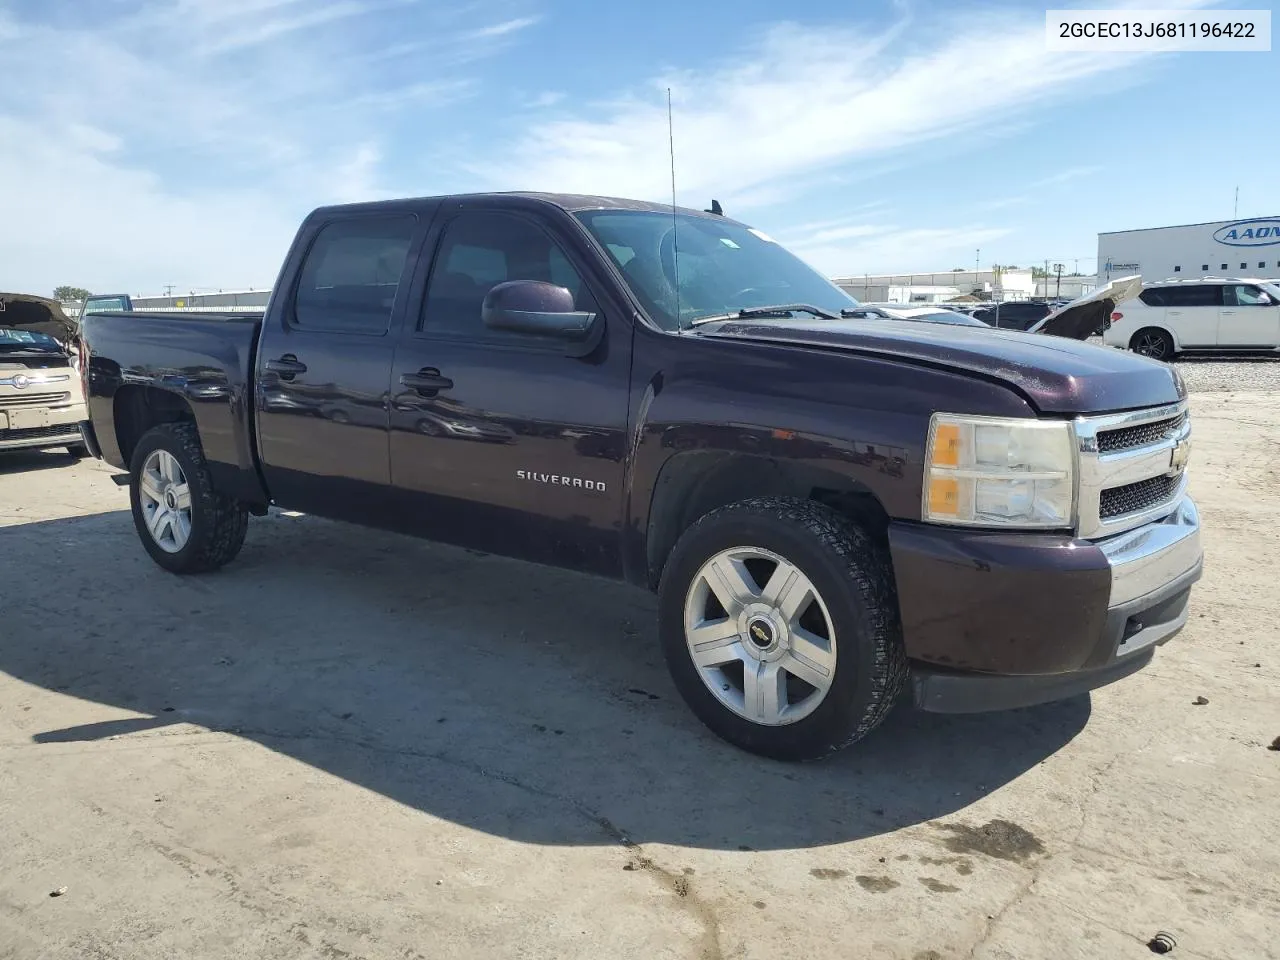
(1180, 455)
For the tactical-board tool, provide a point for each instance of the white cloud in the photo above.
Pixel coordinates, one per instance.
(157, 160)
(418, 94)
(801, 101)
(92, 139)
(1066, 176)
(254, 33)
(505, 28)
(841, 248)
(548, 98)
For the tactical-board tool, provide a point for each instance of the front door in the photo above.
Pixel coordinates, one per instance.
(499, 440)
(1250, 317)
(324, 366)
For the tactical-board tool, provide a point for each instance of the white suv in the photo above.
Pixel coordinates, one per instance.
(1210, 314)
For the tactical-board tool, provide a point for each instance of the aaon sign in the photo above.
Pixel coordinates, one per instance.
(1250, 233)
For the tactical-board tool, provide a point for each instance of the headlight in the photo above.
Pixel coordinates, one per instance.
(993, 472)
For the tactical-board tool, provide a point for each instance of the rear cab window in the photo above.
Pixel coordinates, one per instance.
(352, 273)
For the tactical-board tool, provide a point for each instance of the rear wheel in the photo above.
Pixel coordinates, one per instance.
(1152, 343)
(184, 524)
(779, 623)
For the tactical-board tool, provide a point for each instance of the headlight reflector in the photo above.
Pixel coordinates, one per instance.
(988, 471)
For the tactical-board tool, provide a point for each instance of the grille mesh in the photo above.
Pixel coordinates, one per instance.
(1127, 438)
(40, 433)
(1136, 497)
(33, 399)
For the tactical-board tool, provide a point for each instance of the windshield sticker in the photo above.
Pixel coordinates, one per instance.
(761, 234)
(729, 243)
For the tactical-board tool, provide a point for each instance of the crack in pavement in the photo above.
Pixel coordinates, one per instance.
(677, 884)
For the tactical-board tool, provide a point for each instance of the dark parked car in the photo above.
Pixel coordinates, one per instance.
(831, 510)
(1015, 314)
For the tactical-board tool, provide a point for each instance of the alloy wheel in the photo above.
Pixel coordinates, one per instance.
(165, 497)
(760, 636)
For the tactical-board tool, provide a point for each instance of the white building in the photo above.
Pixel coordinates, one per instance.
(940, 286)
(1231, 248)
(1070, 287)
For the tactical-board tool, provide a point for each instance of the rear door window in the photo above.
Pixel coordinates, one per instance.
(1194, 295)
(349, 281)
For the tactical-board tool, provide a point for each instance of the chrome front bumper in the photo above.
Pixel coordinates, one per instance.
(1152, 570)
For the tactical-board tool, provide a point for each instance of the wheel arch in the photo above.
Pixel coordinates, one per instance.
(137, 408)
(694, 483)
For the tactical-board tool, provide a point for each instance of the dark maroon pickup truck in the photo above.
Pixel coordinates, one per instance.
(831, 510)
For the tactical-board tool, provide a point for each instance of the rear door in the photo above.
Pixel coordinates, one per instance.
(1249, 317)
(324, 366)
(499, 440)
(1191, 312)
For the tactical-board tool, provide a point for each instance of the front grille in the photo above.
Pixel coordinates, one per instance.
(40, 433)
(34, 399)
(1127, 438)
(1137, 497)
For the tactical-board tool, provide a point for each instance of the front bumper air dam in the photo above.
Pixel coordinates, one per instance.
(1097, 639)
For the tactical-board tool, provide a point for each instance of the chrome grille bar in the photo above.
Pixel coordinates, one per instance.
(1162, 437)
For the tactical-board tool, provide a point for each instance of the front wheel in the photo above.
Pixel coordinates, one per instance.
(184, 524)
(779, 623)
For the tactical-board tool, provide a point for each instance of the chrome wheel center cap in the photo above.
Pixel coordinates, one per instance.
(765, 632)
(171, 499)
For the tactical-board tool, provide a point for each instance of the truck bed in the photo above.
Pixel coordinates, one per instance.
(201, 361)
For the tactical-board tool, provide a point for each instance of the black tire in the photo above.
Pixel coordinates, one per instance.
(1152, 342)
(852, 573)
(218, 523)
(78, 450)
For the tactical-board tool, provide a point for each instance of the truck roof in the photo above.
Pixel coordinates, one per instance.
(570, 202)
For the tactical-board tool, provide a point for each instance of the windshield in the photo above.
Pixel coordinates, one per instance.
(723, 266)
(104, 304)
(12, 340)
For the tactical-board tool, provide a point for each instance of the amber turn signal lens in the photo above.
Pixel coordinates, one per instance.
(944, 496)
(946, 445)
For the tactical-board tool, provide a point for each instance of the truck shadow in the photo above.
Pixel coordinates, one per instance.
(22, 461)
(519, 701)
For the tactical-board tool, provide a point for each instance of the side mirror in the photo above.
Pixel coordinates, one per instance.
(537, 308)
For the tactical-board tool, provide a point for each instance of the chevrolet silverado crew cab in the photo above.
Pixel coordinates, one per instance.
(831, 510)
(41, 391)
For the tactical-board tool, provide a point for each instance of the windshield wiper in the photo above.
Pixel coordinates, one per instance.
(777, 310)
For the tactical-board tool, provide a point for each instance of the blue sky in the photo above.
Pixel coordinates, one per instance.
(153, 142)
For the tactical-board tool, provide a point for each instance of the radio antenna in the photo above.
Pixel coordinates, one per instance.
(675, 219)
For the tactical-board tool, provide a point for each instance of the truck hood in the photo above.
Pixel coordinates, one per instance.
(1056, 375)
(1082, 316)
